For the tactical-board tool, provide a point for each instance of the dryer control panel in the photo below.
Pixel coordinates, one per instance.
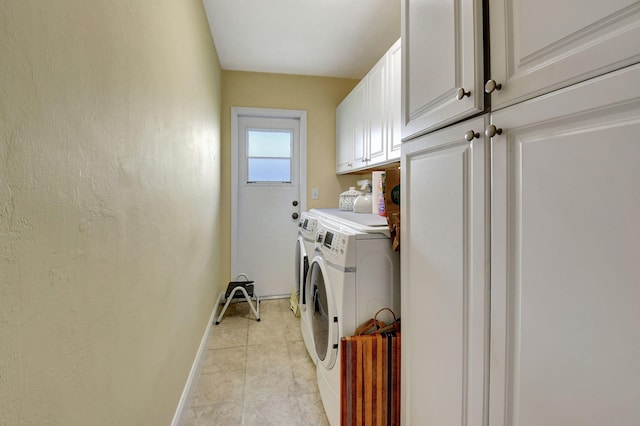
(307, 226)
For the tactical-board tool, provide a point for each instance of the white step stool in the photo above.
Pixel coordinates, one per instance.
(237, 289)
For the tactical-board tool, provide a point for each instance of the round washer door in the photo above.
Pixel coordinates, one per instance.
(324, 318)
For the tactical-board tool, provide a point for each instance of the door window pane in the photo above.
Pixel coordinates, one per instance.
(269, 143)
(269, 155)
(269, 170)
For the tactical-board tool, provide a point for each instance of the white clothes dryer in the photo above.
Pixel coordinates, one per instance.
(353, 275)
(363, 222)
(304, 252)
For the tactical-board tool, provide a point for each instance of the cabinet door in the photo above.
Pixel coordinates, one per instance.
(344, 136)
(565, 341)
(442, 54)
(538, 46)
(377, 105)
(394, 130)
(444, 283)
(359, 117)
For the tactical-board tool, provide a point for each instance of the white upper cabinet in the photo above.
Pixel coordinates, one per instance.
(543, 45)
(377, 112)
(443, 65)
(368, 119)
(344, 133)
(352, 135)
(394, 129)
(357, 115)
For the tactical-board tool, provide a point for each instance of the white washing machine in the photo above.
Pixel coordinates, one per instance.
(304, 252)
(353, 275)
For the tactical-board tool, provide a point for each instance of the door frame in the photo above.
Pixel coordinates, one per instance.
(236, 112)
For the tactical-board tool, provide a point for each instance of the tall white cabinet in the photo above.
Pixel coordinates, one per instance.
(444, 263)
(565, 238)
(520, 237)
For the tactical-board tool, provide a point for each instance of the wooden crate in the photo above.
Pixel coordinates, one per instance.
(370, 380)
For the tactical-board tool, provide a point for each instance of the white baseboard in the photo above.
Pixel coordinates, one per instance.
(194, 374)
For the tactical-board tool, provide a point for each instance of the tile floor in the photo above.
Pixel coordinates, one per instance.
(256, 373)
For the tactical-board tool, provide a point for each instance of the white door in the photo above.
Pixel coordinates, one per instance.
(445, 287)
(442, 63)
(267, 195)
(542, 45)
(565, 286)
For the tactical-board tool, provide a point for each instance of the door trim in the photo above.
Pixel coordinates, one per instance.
(236, 112)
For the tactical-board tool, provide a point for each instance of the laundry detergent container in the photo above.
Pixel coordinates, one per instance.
(362, 204)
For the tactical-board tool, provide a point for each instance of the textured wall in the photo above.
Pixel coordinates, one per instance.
(109, 207)
(319, 96)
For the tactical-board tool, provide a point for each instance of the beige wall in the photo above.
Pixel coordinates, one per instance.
(319, 96)
(109, 207)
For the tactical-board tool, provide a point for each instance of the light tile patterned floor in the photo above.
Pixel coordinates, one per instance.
(256, 373)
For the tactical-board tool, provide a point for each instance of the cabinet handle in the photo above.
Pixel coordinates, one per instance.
(349, 164)
(492, 130)
(471, 135)
(461, 93)
(491, 85)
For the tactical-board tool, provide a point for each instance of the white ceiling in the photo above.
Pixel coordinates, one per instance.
(332, 38)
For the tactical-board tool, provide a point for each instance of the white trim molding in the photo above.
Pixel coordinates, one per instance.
(194, 374)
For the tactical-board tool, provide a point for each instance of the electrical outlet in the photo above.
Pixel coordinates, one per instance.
(314, 194)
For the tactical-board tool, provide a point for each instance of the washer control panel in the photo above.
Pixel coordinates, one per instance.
(335, 243)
